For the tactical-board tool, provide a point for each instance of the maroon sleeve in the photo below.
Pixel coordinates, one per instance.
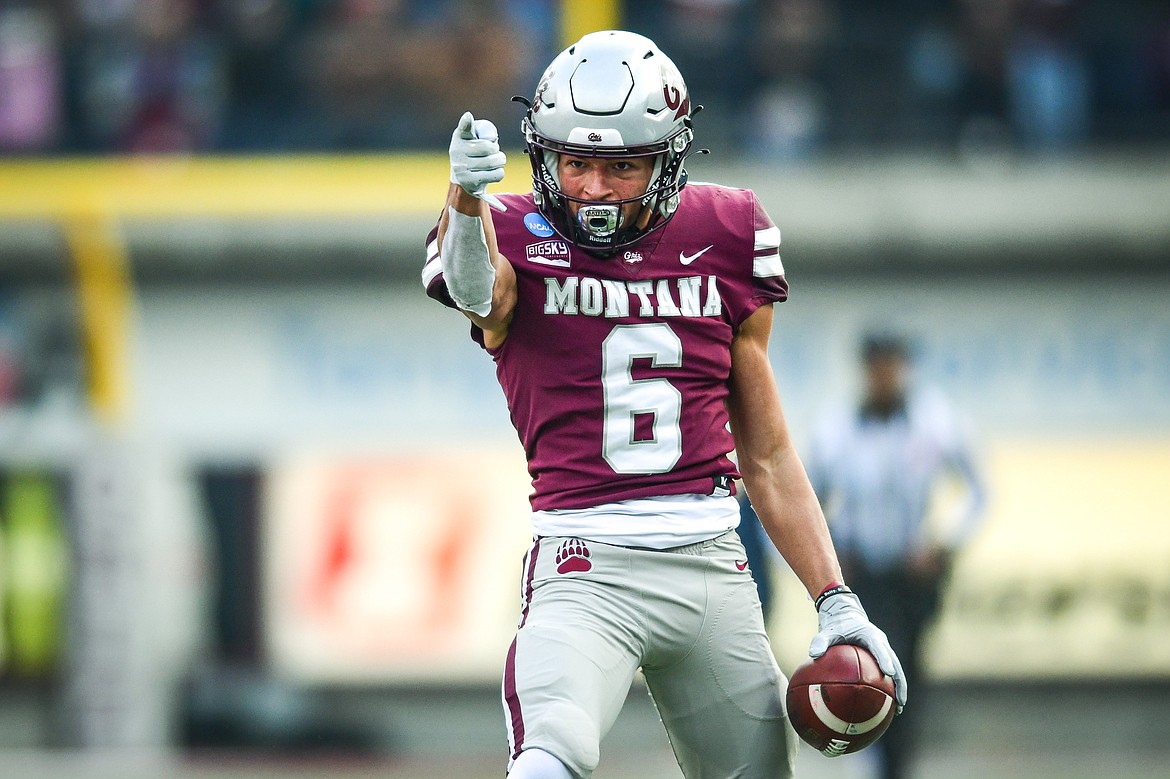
(769, 284)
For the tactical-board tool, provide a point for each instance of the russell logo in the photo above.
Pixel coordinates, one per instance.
(538, 225)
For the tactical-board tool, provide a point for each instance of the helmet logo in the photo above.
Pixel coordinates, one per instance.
(675, 99)
(540, 90)
(595, 137)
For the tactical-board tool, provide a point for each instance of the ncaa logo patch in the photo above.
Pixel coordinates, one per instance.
(538, 225)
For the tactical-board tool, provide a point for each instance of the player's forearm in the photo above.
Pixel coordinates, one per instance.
(792, 517)
(772, 471)
(466, 203)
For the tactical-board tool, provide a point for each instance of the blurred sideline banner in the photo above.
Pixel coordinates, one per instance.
(407, 568)
(1068, 578)
(1071, 574)
(397, 568)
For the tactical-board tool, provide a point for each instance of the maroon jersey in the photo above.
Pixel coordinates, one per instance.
(615, 369)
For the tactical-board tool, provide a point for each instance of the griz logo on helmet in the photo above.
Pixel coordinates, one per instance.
(676, 100)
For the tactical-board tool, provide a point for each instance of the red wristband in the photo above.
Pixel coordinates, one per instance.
(828, 592)
(828, 587)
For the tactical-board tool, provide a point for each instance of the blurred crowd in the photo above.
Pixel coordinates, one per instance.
(778, 78)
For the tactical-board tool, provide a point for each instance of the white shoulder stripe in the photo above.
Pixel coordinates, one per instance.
(768, 239)
(432, 269)
(767, 265)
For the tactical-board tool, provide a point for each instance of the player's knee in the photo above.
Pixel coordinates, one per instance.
(569, 733)
(538, 764)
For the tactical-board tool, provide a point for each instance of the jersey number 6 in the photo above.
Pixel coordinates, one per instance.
(641, 430)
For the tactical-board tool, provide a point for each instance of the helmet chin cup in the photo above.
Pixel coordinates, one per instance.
(599, 221)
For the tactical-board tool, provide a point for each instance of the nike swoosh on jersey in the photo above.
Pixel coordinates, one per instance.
(687, 259)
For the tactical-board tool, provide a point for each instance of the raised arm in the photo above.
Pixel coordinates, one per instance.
(480, 280)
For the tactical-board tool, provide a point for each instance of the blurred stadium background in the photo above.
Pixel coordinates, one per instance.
(261, 510)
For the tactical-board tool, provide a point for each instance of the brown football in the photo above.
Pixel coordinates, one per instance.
(840, 702)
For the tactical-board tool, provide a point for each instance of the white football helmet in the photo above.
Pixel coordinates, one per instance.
(611, 94)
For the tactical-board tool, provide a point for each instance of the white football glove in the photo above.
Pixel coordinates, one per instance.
(842, 620)
(476, 159)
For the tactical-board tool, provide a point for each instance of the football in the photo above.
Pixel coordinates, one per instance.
(840, 702)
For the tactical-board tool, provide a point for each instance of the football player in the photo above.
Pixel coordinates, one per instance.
(628, 314)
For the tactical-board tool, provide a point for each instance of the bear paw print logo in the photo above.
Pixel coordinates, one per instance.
(573, 557)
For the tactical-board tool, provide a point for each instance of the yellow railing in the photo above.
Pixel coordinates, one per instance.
(233, 186)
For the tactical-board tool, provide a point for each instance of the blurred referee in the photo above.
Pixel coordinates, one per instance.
(875, 467)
